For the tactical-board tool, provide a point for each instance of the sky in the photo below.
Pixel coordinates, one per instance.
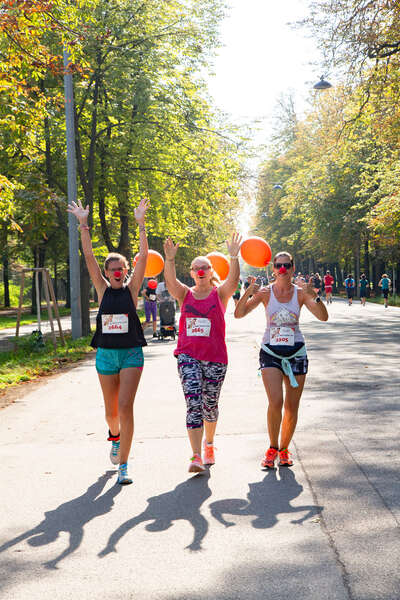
(262, 57)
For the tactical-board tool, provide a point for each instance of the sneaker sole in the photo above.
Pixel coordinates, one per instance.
(268, 466)
(125, 482)
(286, 465)
(196, 469)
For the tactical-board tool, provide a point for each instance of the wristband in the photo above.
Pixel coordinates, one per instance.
(237, 256)
(83, 227)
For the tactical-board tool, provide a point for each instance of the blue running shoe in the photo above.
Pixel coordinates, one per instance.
(123, 478)
(114, 452)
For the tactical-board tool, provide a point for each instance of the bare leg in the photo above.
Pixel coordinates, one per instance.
(195, 437)
(291, 409)
(210, 427)
(272, 379)
(110, 388)
(129, 381)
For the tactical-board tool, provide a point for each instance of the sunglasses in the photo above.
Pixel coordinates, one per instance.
(204, 268)
(286, 265)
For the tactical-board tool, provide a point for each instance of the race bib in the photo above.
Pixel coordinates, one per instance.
(115, 323)
(284, 336)
(198, 326)
(152, 297)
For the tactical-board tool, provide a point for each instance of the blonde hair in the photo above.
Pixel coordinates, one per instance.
(115, 256)
(215, 280)
(284, 254)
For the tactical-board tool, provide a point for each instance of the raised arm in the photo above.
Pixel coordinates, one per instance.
(177, 289)
(96, 276)
(318, 309)
(247, 304)
(140, 267)
(229, 286)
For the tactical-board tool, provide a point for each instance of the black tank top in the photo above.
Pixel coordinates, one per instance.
(122, 330)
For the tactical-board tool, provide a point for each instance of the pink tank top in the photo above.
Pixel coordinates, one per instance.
(202, 328)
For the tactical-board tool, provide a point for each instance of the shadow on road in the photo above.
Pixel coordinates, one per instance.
(265, 501)
(182, 503)
(71, 518)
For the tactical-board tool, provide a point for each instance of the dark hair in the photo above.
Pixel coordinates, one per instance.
(115, 256)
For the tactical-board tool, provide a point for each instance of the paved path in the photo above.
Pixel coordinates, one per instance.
(328, 529)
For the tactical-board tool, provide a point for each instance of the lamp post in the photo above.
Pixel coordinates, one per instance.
(73, 239)
(322, 84)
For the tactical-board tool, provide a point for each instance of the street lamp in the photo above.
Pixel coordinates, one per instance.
(322, 84)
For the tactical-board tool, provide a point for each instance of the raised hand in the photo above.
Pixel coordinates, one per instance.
(306, 287)
(234, 245)
(140, 211)
(170, 249)
(80, 213)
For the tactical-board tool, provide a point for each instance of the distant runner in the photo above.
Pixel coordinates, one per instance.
(385, 284)
(363, 288)
(328, 283)
(350, 284)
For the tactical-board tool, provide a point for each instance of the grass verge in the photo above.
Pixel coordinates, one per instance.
(8, 321)
(31, 361)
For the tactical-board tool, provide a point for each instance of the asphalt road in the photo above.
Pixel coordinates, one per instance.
(327, 529)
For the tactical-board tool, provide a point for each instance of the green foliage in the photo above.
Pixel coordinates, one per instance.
(145, 126)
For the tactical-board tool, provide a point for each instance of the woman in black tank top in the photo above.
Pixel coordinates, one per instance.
(119, 336)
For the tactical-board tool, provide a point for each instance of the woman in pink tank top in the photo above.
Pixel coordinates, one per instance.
(201, 351)
(283, 357)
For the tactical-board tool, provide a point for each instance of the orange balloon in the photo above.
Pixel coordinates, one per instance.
(220, 264)
(256, 252)
(154, 264)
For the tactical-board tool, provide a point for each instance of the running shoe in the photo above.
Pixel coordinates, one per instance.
(284, 458)
(209, 456)
(196, 464)
(123, 478)
(270, 458)
(114, 452)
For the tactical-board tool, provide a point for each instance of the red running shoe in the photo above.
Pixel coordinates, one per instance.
(284, 458)
(270, 458)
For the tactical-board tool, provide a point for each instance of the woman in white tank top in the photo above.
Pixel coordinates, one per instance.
(283, 357)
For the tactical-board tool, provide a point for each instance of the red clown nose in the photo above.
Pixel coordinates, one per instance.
(282, 270)
(117, 274)
(201, 273)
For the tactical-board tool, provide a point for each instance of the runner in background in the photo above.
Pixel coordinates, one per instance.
(328, 283)
(350, 285)
(317, 283)
(150, 305)
(236, 295)
(385, 285)
(363, 288)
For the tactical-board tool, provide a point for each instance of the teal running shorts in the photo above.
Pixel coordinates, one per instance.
(110, 361)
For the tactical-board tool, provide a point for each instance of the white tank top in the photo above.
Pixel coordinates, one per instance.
(282, 314)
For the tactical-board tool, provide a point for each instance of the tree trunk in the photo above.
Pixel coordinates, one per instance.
(85, 303)
(5, 269)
